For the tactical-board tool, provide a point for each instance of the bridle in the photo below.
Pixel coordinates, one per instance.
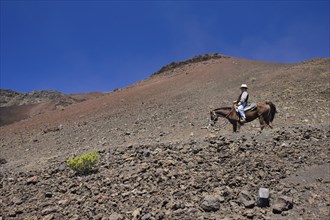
(215, 116)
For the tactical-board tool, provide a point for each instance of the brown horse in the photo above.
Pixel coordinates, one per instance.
(265, 111)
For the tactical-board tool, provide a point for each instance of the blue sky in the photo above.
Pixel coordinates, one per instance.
(85, 46)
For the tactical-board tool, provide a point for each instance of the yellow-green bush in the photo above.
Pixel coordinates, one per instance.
(84, 163)
(253, 79)
(324, 74)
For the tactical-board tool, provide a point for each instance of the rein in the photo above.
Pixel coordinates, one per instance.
(222, 126)
(226, 116)
(215, 114)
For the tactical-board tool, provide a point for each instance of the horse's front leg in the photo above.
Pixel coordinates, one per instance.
(236, 126)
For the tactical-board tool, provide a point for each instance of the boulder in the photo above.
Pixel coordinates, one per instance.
(210, 203)
(246, 199)
(283, 203)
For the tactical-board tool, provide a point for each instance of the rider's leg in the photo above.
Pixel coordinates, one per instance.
(241, 111)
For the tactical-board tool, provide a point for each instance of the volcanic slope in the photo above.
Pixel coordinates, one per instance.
(173, 105)
(168, 113)
(16, 106)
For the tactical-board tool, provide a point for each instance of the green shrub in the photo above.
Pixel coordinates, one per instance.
(324, 74)
(84, 163)
(253, 79)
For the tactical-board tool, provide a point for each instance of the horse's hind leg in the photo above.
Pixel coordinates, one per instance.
(268, 120)
(262, 122)
(268, 123)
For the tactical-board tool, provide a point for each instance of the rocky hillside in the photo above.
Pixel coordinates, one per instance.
(11, 98)
(159, 159)
(218, 177)
(16, 106)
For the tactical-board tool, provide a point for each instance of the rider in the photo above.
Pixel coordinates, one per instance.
(241, 102)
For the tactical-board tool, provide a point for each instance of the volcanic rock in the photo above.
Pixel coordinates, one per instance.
(246, 199)
(283, 203)
(210, 203)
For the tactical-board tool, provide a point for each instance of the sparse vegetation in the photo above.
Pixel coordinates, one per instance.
(83, 164)
(289, 89)
(253, 79)
(324, 74)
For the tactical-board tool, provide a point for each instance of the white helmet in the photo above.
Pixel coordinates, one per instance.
(244, 86)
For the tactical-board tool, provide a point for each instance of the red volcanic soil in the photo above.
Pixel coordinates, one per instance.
(170, 110)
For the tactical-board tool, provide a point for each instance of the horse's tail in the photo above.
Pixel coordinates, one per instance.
(273, 110)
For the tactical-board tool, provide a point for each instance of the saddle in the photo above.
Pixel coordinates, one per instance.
(248, 108)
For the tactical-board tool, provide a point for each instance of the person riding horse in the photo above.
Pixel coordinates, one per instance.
(264, 111)
(241, 102)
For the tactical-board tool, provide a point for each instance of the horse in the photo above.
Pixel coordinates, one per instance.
(265, 111)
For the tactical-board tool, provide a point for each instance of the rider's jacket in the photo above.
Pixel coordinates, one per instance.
(243, 97)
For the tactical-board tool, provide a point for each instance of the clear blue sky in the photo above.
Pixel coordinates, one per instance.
(84, 46)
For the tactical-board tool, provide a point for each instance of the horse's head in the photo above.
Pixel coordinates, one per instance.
(224, 112)
(214, 118)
